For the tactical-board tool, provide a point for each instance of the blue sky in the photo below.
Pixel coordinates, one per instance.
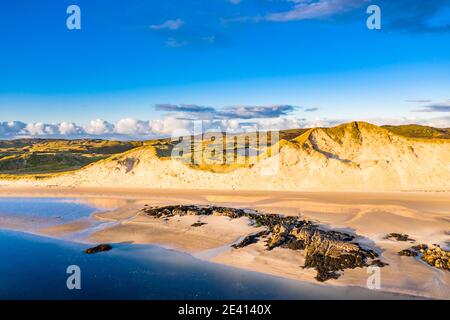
(254, 57)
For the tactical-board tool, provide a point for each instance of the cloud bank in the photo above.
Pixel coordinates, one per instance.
(185, 119)
(135, 129)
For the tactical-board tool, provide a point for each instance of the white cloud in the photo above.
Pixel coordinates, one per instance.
(11, 128)
(42, 129)
(133, 127)
(100, 127)
(169, 125)
(169, 25)
(279, 123)
(312, 9)
(69, 128)
(230, 124)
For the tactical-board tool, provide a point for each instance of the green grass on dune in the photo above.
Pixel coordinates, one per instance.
(41, 156)
(417, 131)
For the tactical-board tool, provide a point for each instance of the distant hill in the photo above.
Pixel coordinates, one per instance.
(353, 156)
(291, 133)
(417, 131)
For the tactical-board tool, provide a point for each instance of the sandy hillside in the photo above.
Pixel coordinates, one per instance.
(354, 156)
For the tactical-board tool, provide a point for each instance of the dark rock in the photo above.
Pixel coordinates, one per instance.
(99, 248)
(248, 240)
(420, 247)
(325, 266)
(379, 263)
(198, 224)
(413, 251)
(328, 252)
(408, 253)
(399, 237)
(293, 244)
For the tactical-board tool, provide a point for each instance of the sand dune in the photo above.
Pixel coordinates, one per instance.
(355, 156)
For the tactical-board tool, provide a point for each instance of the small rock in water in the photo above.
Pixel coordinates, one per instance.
(399, 237)
(99, 248)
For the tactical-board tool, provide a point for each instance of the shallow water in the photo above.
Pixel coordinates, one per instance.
(35, 213)
(34, 267)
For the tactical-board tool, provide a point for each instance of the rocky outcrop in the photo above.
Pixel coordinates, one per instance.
(330, 252)
(99, 248)
(435, 257)
(327, 251)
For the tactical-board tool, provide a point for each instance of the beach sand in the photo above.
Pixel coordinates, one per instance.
(425, 217)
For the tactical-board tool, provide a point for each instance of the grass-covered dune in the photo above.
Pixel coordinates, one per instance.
(417, 131)
(35, 156)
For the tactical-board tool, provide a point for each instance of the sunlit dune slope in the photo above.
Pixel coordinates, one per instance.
(353, 156)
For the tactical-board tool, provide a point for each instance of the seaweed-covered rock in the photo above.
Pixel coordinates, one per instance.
(420, 248)
(435, 257)
(328, 251)
(399, 237)
(293, 243)
(408, 253)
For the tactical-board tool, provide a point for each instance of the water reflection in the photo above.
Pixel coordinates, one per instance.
(35, 268)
